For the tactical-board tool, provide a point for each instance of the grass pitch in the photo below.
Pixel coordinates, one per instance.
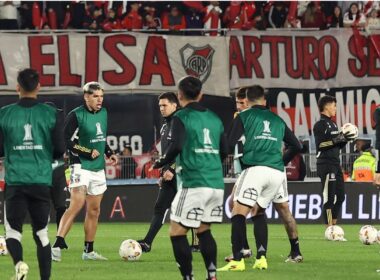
(323, 259)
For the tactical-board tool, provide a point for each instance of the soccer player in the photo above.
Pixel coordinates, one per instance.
(329, 141)
(280, 203)
(85, 136)
(168, 103)
(263, 170)
(198, 145)
(30, 137)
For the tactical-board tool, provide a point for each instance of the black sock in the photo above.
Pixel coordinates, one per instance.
(207, 245)
(182, 254)
(154, 228)
(238, 223)
(59, 214)
(88, 246)
(245, 240)
(15, 249)
(260, 231)
(60, 242)
(44, 258)
(295, 246)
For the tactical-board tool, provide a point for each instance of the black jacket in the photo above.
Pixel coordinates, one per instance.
(376, 117)
(166, 137)
(327, 142)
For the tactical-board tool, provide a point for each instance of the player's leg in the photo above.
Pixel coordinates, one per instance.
(340, 196)
(291, 229)
(95, 190)
(39, 209)
(79, 181)
(16, 206)
(181, 249)
(186, 212)
(208, 249)
(58, 193)
(213, 213)
(281, 204)
(77, 200)
(90, 227)
(328, 192)
(194, 241)
(164, 200)
(260, 231)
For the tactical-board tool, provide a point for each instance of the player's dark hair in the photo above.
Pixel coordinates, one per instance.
(91, 87)
(254, 93)
(28, 79)
(324, 100)
(241, 93)
(170, 96)
(190, 86)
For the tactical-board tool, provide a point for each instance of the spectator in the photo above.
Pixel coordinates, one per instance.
(151, 21)
(133, 19)
(194, 21)
(336, 20)
(232, 17)
(111, 22)
(313, 17)
(8, 15)
(365, 165)
(353, 17)
(147, 172)
(55, 13)
(372, 19)
(78, 14)
(25, 10)
(277, 15)
(212, 18)
(174, 21)
(127, 163)
(95, 20)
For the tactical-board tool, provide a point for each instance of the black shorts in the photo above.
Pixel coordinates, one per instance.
(34, 199)
(58, 190)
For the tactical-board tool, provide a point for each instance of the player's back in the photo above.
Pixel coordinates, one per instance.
(264, 132)
(199, 162)
(28, 147)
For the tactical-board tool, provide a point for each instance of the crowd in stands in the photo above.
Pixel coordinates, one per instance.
(174, 16)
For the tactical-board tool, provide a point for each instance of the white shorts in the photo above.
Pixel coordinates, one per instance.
(193, 206)
(94, 181)
(258, 184)
(282, 194)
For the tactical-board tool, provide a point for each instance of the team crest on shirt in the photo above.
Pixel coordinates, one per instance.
(28, 132)
(266, 127)
(98, 129)
(197, 61)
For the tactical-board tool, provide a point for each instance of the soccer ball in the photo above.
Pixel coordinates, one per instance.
(130, 250)
(334, 233)
(368, 235)
(3, 246)
(350, 129)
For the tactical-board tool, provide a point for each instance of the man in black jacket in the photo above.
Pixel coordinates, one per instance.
(168, 103)
(329, 140)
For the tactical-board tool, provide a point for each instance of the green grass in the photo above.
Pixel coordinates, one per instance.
(323, 259)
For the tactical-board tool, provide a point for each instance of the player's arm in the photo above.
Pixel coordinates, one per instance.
(324, 140)
(294, 146)
(235, 133)
(71, 137)
(175, 145)
(57, 136)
